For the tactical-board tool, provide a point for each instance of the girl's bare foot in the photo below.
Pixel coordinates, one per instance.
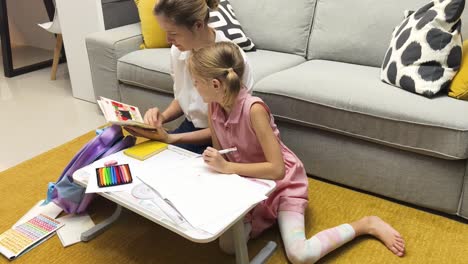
(387, 234)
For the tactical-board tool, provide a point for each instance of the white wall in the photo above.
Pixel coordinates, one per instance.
(23, 17)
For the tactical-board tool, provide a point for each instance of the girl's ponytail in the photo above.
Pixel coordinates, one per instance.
(233, 83)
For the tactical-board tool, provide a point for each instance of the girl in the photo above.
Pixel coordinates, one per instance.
(237, 119)
(186, 25)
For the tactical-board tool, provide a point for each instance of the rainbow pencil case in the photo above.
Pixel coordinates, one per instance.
(113, 175)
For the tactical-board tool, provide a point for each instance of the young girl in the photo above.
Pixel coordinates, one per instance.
(237, 119)
(186, 25)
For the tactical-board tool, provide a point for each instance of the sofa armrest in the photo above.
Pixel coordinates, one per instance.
(104, 49)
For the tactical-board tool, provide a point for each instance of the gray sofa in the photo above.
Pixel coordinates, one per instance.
(317, 67)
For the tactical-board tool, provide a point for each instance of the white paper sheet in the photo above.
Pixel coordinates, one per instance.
(51, 210)
(70, 233)
(207, 199)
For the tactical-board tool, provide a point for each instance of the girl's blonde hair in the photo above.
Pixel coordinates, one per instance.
(186, 12)
(222, 61)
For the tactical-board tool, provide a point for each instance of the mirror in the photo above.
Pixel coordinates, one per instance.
(26, 46)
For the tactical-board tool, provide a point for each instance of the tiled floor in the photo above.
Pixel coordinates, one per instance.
(39, 114)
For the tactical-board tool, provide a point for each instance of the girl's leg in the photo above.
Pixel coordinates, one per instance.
(374, 226)
(226, 240)
(302, 250)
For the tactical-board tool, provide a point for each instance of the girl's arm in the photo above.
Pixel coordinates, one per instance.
(272, 169)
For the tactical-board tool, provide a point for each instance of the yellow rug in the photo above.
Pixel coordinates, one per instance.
(133, 239)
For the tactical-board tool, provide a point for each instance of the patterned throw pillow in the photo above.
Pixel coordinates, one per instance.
(224, 20)
(426, 48)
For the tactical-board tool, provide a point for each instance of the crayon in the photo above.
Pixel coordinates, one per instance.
(101, 176)
(112, 170)
(114, 173)
(107, 176)
(127, 173)
(129, 176)
(117, 173)
(123, 173)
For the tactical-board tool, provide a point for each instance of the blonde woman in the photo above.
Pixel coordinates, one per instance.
(238, 119)
(186, 25)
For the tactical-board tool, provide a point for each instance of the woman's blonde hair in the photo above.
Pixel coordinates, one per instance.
(186, 12)
(222, 61)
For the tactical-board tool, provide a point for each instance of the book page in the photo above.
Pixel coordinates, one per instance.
(122, 114)
(20, 239)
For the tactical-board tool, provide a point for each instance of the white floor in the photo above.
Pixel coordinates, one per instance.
(40, 114)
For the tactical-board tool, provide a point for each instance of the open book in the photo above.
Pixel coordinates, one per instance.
(22, 238)
(121, 114)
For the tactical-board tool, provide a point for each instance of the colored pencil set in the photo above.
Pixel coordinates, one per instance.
(113, 175)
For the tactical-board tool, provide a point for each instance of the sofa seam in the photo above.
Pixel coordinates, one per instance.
(138, 66)
(370, 139)
(137, 84)
(312, 24)
(366, 114)
(462, 193)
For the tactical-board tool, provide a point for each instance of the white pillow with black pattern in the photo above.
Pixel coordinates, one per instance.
(426, 49)
(224, 20)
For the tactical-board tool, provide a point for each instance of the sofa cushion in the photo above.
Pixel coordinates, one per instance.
(148, 68)
(425, 51)
(266, 62)
(359, 104)
(224, 20)
(276, 25)
(151, 68)
(358, 31)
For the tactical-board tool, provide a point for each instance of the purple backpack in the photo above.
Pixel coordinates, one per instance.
(70, 196)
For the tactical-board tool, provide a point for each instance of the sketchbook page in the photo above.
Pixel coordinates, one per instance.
(200, 194)
(51, 210)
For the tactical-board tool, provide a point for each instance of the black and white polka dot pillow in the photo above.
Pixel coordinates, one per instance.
(425, 51)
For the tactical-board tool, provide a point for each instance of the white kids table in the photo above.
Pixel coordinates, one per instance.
(154, 213)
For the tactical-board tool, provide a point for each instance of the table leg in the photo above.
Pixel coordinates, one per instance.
(242, 254)
(265, 253)
(102, 226)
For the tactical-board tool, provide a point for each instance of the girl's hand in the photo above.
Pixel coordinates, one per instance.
(213, 159)
(154, 117)
(160, 134)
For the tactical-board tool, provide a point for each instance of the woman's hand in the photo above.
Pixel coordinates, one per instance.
(213, 159)
(154, 117)
(160, 134)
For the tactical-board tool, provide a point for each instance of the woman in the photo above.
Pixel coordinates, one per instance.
(186, 26)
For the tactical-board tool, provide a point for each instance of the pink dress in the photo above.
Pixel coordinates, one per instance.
(235, 130)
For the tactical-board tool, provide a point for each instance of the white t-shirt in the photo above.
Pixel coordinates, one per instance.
(190, 101)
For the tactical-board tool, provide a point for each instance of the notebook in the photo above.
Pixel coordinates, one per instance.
(22, 238)
(145, 150)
